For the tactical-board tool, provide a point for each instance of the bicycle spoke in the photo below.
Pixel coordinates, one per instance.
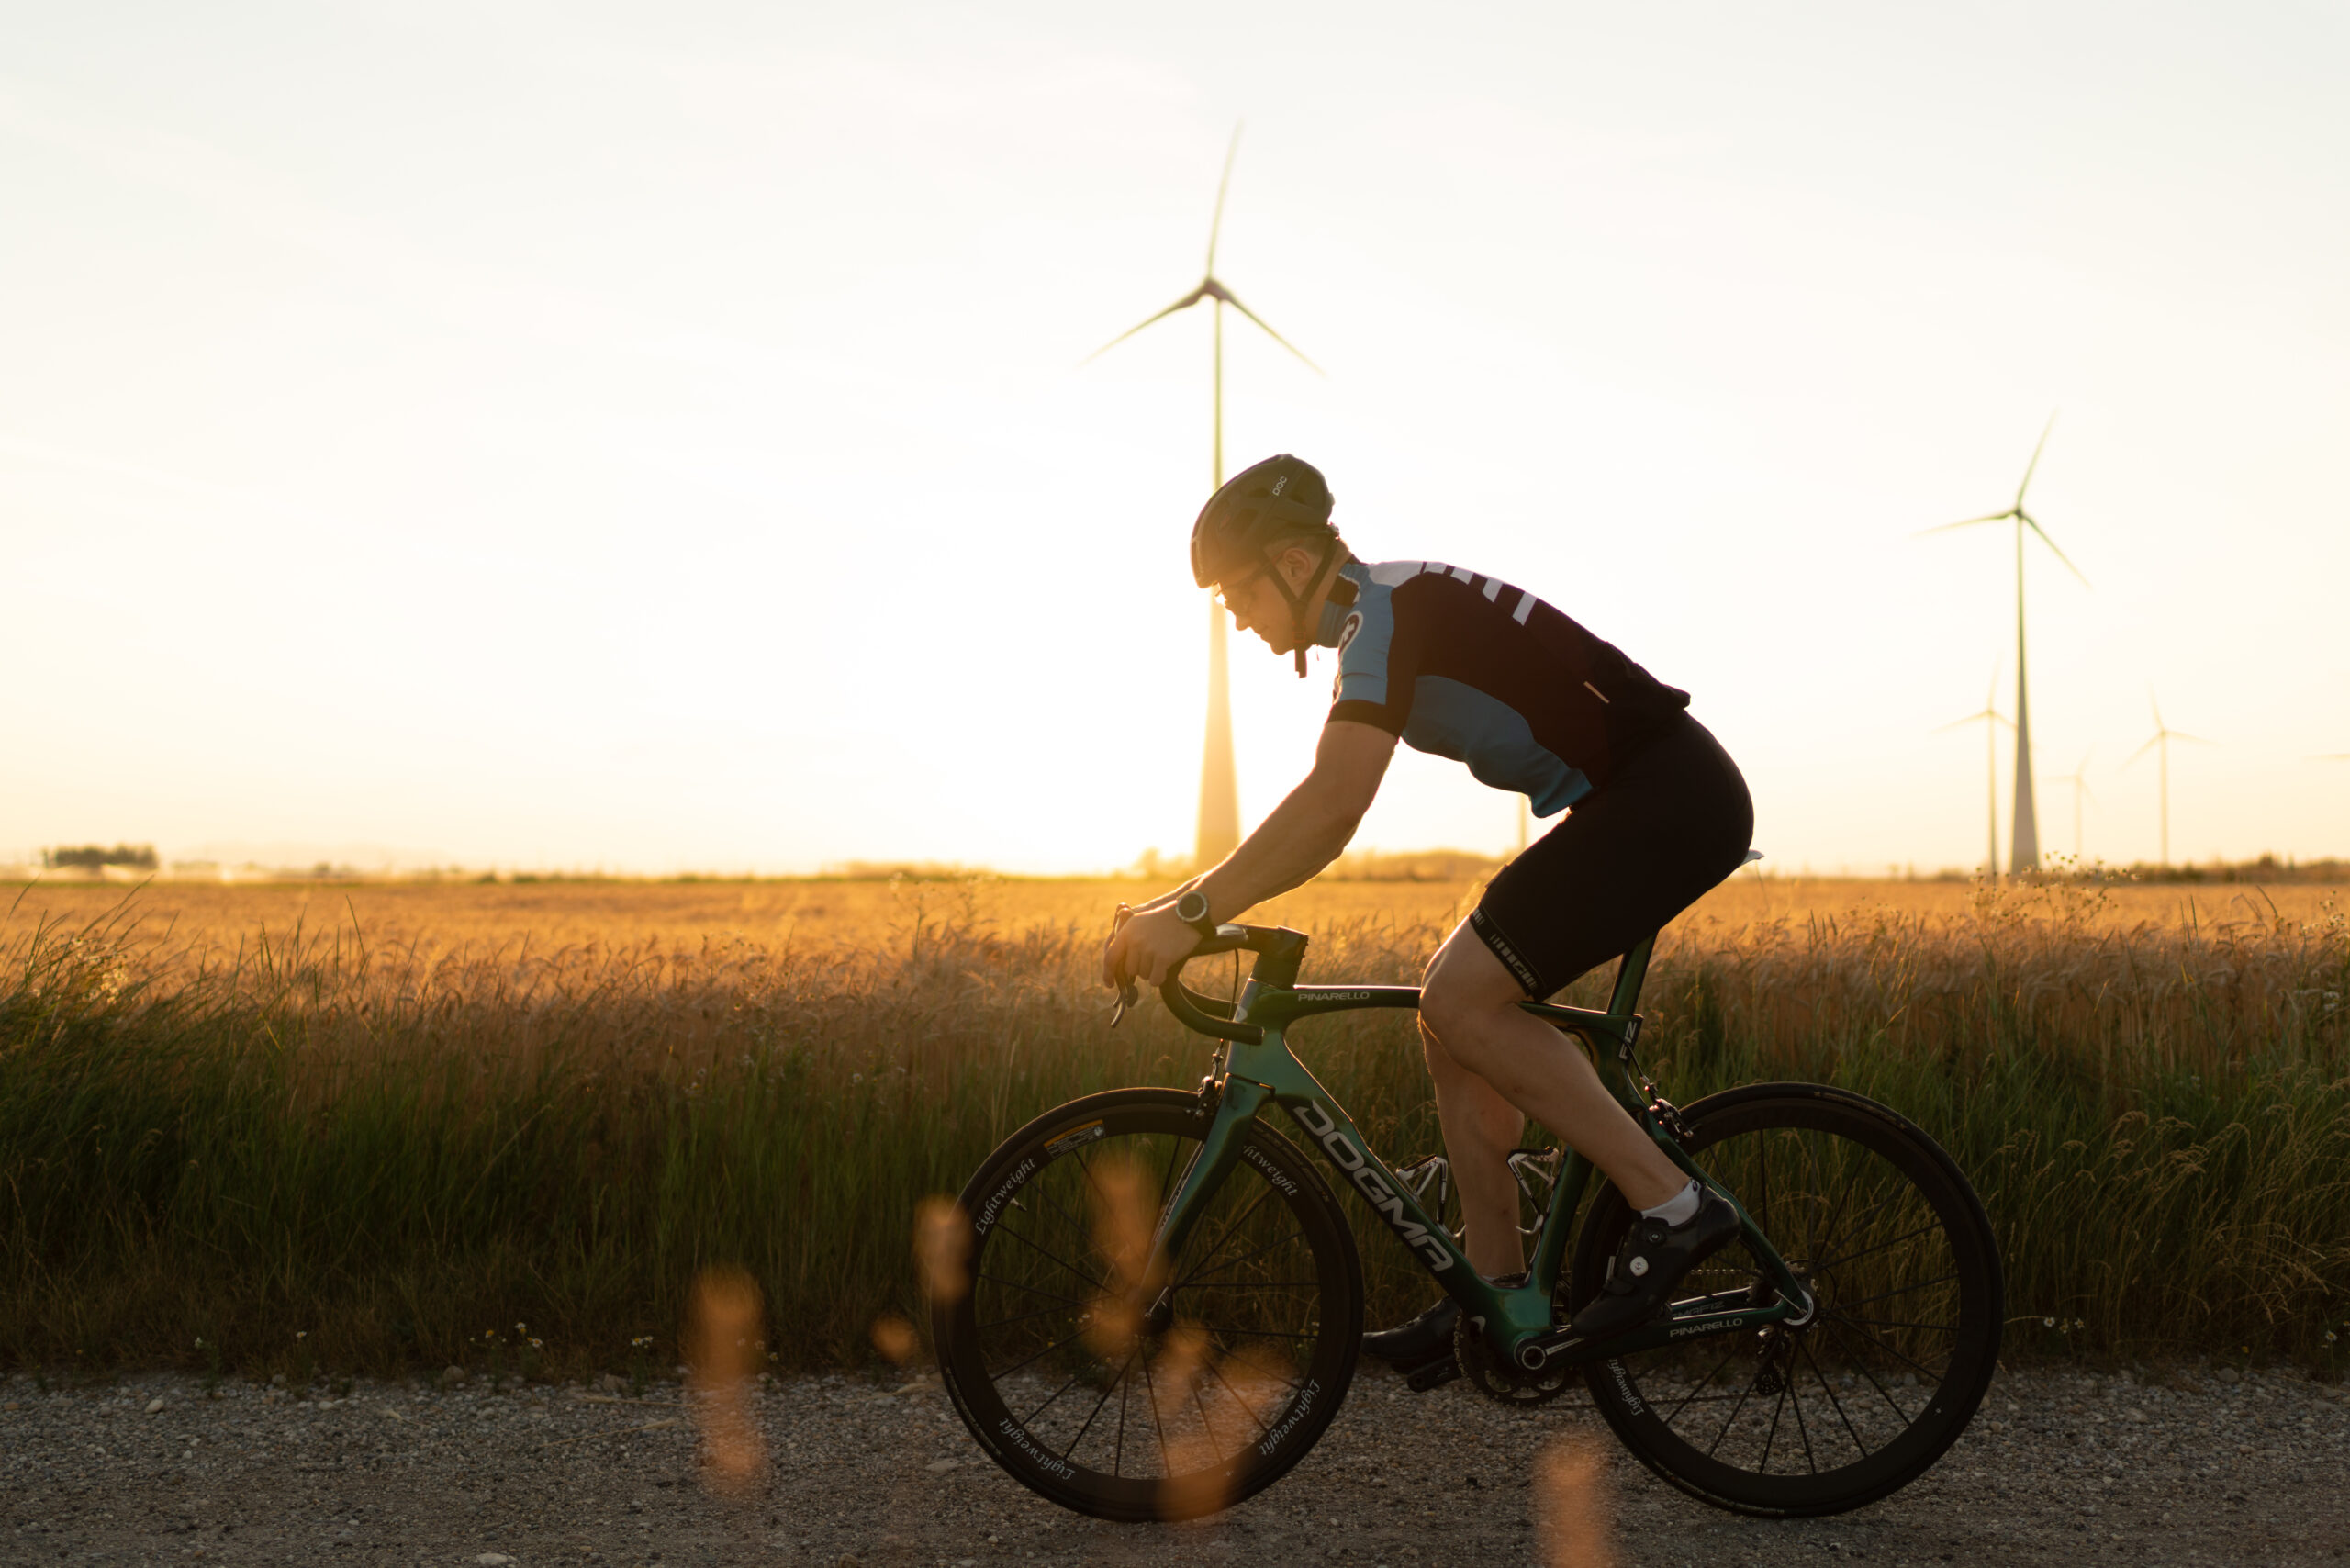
(1217, 1372)
(1897, 1290)
(1863, 1367)
(1927, 1228)
(1150, 1389)
(1125, 1387)
(1007, 1371)
(1101, 1402)
(1777, 1406)
(1897, 1323)
(1045, 1193)
(1230, 1230)
(1732, 1418)
(1802, 1427)
(1861, 1447)
(1047, 1257)
(1258, 1285)
(1703, 1382)
(1023, 1317)
(1031, 1290)
(1290, 1384)
(1206, 1425)
(1049, 1403)
(1858, 1227)
(1918, 1367)
(1234, 1263)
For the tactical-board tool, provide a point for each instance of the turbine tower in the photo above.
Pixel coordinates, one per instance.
(2025, 853)
(1990, 719)
(2078, 778)
(2160, 744)
(1219, 826)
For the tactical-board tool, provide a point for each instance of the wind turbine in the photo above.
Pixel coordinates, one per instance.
(2025, 853)
(2162, 736)
(1219, 825)
(1990, 719)
(2079, 779)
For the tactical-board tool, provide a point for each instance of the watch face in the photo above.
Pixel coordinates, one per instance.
(1192, 908)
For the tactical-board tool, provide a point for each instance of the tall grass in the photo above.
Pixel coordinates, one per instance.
(403, 1154)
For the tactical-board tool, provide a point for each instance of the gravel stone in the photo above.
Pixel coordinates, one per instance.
(2059, 1466)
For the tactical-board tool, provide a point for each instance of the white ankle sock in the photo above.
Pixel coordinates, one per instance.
(1679, 1208)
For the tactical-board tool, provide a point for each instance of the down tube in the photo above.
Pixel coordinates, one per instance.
(1342, 1144)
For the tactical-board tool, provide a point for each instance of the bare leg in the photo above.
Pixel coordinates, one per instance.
(1479, 1129)
(1468, 1012)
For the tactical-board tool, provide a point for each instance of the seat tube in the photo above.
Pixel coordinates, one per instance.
(1629, 973)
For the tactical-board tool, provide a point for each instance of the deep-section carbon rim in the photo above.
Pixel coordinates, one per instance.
(1893, 1243)
(1214, 1391)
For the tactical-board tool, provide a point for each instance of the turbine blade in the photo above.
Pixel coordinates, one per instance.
(1968, 522)
(2035, 524)
(1183, 303)
(2183, 735)
(1216, 224)
(2035, 457)
(2142, 751)
(1284, 342)
(1970, 719)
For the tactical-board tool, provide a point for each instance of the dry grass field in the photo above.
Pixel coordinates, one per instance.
(376, 1125)
(438, 919)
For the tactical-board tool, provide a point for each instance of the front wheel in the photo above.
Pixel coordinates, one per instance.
(1205, 1397)
(1885, 1231)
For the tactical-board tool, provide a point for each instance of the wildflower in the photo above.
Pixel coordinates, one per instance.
(2048, 1322)
(538, 1344)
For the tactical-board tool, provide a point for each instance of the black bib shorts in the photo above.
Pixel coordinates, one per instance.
(1673, 821)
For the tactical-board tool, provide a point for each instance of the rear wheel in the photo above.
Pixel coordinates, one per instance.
(1204, 1399)
(1886, 1233)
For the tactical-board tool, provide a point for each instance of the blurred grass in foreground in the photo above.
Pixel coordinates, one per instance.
(401, 1153)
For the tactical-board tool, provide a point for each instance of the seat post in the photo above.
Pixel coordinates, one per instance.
(1629, 973)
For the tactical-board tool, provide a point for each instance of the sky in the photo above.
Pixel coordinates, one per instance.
(658, 439)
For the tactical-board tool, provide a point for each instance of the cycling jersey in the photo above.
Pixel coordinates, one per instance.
(1467, 667)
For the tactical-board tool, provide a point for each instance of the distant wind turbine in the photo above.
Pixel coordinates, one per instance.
(2025, 853)
(1219, 825)
(2079, 779)
(1990, 719)
(2160, 744)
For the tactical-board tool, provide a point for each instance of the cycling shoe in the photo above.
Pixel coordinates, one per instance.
(1654, 1258)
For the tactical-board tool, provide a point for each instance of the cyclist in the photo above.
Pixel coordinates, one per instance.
(1467, 667)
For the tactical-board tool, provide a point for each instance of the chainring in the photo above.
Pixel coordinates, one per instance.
(1499, 1380)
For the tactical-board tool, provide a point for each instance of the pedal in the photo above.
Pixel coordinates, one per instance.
(1432, 1374)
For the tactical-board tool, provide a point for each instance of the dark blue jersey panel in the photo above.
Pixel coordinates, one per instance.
(1467, 667)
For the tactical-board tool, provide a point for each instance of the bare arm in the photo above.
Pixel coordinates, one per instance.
(1305, 833)
(1310, 827)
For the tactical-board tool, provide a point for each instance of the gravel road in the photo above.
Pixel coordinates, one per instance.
(2185, 1468)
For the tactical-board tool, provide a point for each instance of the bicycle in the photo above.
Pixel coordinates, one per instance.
(1137, 1357)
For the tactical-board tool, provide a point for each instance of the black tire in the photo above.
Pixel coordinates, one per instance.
(1242, 1369)
(1890, 1238)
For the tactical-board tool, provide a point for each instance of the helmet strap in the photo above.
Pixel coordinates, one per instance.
(1300, 602)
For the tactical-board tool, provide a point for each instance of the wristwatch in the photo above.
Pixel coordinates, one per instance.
(1192, 909)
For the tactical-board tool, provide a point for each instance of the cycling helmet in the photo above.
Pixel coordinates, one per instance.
(1281, 498)
(1266, 507)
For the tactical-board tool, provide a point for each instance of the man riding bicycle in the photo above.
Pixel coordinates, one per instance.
(1467, 667)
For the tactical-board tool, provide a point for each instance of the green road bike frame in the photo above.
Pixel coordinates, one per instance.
(1254, 1068)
